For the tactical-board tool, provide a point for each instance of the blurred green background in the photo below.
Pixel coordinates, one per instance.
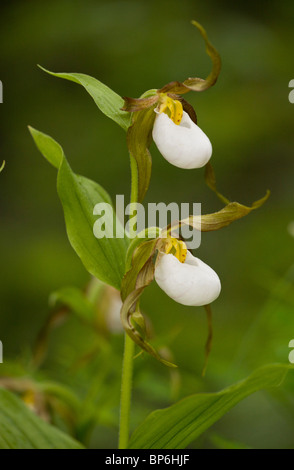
(133, 46)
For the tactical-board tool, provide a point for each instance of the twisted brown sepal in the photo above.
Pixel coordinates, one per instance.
(139, 138)
(217, 220)
(210, 180)
(179, 88)
(135, 281)
(197, 84)
(188, 108)
(232, 210)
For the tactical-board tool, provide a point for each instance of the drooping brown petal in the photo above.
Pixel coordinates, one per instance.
(131, 319)
(135, 281)
(210, 180)
(135, 276)
(189, 110)
(139, 139)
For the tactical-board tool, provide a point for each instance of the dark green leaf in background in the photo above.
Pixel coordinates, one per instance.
(20, 428)
(180, 424)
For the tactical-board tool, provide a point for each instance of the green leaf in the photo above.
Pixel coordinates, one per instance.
(76, 300)
(22, 429)
(222, 443)
(104, 258)
(2, 166)
(48, 147)
(109, 102)
(61, 392)
(180, 424)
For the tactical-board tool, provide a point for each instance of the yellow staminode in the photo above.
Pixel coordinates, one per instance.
(29, 398)
(176, 247)
(173, 108)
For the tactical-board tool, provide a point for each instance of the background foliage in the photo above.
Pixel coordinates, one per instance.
(133, 46)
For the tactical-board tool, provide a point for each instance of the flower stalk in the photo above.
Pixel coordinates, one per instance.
(126, 392)
(129, 347)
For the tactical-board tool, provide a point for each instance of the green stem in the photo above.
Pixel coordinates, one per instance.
(127, 366)
(126, 392)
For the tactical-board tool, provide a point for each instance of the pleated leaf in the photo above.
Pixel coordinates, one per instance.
(177, 426)
(20, 428)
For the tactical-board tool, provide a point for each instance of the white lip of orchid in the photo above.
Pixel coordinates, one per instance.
(191, 283)
(184, 145)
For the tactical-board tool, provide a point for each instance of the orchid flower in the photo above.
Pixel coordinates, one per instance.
(185, 278)
(173, 125)
(180, 141)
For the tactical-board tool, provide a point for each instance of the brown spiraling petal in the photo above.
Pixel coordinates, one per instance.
(174, 87)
